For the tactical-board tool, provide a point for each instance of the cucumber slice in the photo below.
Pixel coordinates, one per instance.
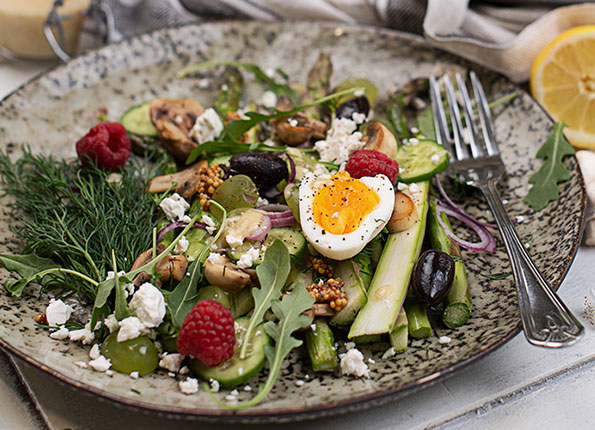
(235, 371)
(220, 159)
(354, 290)
(416, 161)
(137, 120)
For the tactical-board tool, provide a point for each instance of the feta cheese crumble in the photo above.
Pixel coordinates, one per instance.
(84, 335)
(181, 246)
(207, 127)
(111, 323)
(81, 364)
(130, 328)
(352, 363)
(94, 352)
(57, 312)
(268, 99)
(61, 333)
(341, 141)
(358, 117)
(234, 241)
(389, 353)
(171, 362)
(208, 221)
(174, 207)
(148, 304)
(134, 375)
(215, 386)
(189, 386)
(444, 340)
(248, 258)
(100, 364)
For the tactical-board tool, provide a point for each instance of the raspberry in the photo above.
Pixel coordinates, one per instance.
(208, 333)
(366, 162)
(106, 145)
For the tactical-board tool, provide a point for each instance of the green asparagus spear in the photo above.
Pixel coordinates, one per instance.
(318, 84)
(417, 318)
(320, 344)
(399, 335)
(230, 93)
(458, 302)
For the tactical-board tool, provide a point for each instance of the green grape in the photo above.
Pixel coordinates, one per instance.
(134, 355)
(214, 293)
(239, 191)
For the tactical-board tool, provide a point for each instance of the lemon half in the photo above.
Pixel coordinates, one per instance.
(563, 82)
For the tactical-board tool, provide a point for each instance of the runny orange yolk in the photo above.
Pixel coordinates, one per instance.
(340, 205)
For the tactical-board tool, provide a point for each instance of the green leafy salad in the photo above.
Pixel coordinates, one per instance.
(206, 242)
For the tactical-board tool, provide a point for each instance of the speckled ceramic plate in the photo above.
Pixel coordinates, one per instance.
(50, 113)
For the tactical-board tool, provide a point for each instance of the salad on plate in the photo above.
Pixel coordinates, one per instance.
(208, 241)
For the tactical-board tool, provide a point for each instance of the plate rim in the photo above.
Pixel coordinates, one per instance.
(354, 403)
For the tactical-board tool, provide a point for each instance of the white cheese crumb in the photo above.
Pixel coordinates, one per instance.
(268, 99)
(520, 218)
(413, 141)
(435, 158)
(414, 130)
(111, 323)
(208, 221)
(371, 361)
(293, 122)
(349, 345)
(148, 304)
(341, 141)
(94, 352)
(189, 386)
(215, 386)
(401, 186)
(389, 353)
(100, 364)
(504, 202)
(130, 328)
(352, 363)
(203, 84)
(207, 127)
(401, 170)
(84, 335)
(234, 393)
(248, 258)
(81, 364)
(224, 87)
(174, 207)
(247, 388)
(111, 274)
(181, 246)
(444, 340)
(414, 188)
(134, 375)
(261, 202)
(171, 374)
(184, 370)
(215, 258)
(109, 372)
(307, 377)
(61, 333)
(171, 362)
(129, 289)
(313, 327)
(358, 118)
(233, 240)
(299, 383)
(57, 312)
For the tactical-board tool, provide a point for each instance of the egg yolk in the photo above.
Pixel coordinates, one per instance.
(341, 204)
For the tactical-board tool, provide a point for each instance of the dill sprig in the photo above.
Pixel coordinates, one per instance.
(76, 216)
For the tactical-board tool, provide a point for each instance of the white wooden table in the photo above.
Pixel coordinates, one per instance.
(518, 386)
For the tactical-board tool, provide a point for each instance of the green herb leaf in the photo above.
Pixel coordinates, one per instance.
(230, 92)
(183, 298)
(280, 89)
(289, 312)
(425, 123)
(26, 265)
(272, 274)
(496, 276)
(545, 180)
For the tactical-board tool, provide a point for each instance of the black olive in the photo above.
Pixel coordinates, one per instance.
(433, 276)
(266, 170)
(351, 106)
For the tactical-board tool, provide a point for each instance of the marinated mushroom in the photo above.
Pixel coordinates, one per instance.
(184, 182)
(140, 261)
(172, 266)
(379, 138)
(404, 214)
(226, 275)
(174, 120)
(298, 128)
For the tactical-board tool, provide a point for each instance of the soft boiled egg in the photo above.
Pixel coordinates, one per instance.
(339, 214)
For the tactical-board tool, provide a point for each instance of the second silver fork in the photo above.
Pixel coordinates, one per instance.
(476, 159)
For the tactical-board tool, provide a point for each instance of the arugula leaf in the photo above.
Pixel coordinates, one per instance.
(182, 298)
(228, 141)
(425, 123)
(289, 311)
(545, 180)
(272, 274)
(26, 265)
(280, 89)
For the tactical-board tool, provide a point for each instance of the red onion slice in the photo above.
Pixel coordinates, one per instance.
(274, 207)
(174, 225)
(262, 230)
(487, 241)
(283, 222)
(292, 169)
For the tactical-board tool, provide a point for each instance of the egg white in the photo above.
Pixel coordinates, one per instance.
(344, 246)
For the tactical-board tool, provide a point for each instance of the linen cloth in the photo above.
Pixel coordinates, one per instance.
(501, 35)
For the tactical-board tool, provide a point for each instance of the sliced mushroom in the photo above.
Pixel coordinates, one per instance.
(184, 183)
(140, 261)
(298, 128)
(379, 138)
(404, 214)
(320, 310)
(226, 275)
(174, 120)
(170, 266)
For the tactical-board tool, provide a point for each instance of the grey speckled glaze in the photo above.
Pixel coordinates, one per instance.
(50, 113)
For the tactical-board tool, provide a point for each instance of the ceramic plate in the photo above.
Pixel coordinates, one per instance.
(53, 111)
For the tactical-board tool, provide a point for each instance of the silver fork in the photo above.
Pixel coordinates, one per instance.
(545, 318)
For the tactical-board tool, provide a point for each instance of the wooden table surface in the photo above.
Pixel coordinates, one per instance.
(517, 386)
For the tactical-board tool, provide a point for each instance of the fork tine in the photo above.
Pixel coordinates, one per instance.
(440, 124)
(474, 143)
(485, 118)
(461, 150)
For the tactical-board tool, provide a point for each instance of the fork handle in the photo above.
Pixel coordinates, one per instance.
(546, 320)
